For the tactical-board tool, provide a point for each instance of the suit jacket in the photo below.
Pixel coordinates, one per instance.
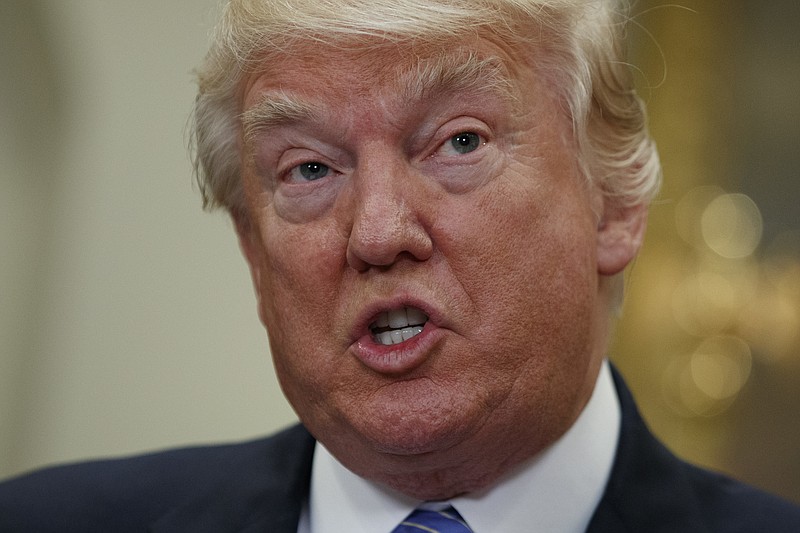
(260, 486)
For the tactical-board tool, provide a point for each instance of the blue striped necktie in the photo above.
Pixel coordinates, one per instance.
(426, 521)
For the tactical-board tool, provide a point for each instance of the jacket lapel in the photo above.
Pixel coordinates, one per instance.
(262, 491)
(648, 489)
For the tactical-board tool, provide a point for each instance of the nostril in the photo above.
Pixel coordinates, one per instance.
(355, 262)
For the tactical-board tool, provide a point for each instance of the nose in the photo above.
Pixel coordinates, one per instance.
(387, 217)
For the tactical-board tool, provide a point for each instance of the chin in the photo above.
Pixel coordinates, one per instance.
(414, 441)
(409, 421)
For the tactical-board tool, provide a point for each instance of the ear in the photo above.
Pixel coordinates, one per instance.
(252, 250)
(620, 233)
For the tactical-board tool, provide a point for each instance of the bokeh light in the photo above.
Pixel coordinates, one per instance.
(706, 381)
(731, 225)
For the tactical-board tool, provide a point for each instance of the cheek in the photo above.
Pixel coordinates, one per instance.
(299, 288)
(300, 258)
(527, 262)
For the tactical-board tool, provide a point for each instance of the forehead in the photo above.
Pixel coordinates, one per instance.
(478, 64)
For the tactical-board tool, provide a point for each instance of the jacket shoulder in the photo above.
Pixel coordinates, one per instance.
(731, 506)
(651, 490)
(127, 494)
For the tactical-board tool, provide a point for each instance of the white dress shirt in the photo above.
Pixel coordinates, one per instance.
(555, 492)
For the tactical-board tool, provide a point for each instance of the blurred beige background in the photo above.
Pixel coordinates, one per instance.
(127, 321)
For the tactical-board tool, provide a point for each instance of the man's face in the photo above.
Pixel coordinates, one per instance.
(426, 257)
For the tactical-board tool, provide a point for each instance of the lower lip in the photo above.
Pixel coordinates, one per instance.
(397, 358)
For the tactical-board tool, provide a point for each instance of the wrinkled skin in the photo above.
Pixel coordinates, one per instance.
(499, 241)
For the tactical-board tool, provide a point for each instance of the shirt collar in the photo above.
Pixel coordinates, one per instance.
(558, 490)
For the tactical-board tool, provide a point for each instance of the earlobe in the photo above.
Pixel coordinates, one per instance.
(619, 236)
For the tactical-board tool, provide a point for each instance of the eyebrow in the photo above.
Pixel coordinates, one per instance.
(273, 110)
(425, 79)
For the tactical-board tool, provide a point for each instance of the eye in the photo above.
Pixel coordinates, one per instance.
(313, 170)
(463, 143)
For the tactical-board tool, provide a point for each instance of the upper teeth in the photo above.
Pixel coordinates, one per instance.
(402, 323)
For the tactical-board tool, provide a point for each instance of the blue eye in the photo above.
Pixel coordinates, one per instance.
(313, 170)
(465, 142)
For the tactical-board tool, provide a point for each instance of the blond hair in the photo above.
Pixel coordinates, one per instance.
(581, 46)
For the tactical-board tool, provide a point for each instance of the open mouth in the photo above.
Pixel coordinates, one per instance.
(397, 325)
